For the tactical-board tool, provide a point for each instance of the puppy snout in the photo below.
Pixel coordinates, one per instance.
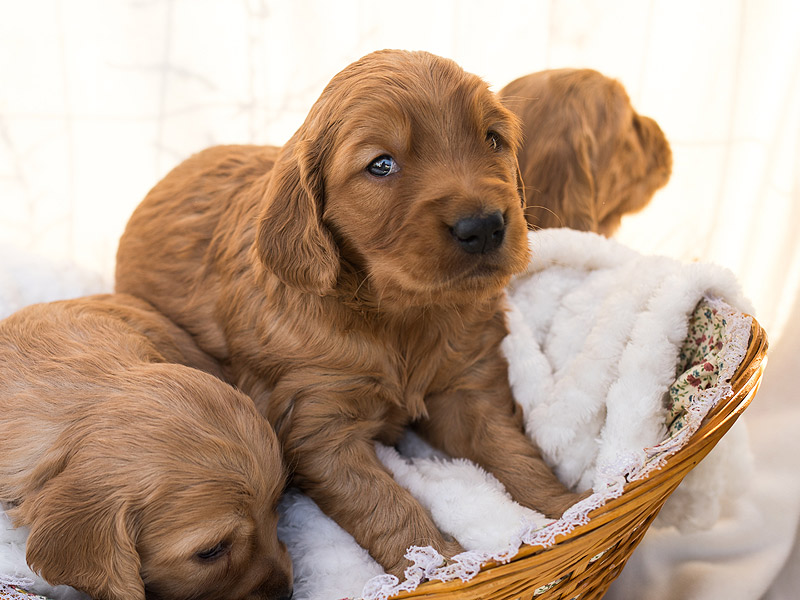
(273, 592)
(480, 234)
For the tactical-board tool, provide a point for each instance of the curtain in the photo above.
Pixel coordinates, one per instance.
(100, 98)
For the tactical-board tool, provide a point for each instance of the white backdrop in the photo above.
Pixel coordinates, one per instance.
(100, 98)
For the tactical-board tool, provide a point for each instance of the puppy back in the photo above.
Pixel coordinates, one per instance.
(212, 214)
(60, 362)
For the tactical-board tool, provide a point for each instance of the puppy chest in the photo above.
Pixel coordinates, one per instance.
(409, 376)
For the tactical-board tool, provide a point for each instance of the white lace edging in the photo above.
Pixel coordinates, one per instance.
(428, 564)
(11, 580)
(10, 583)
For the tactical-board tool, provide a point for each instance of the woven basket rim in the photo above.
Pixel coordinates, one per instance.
(651, 490)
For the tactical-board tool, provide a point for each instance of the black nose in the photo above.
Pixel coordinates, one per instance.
(276, 589)
(270, 593)
(481, 233)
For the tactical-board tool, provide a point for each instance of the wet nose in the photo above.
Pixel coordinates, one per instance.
(480, 234)
(277, 587)
(272, 592)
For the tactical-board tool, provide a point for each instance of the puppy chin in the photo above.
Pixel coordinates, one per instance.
(471, 285)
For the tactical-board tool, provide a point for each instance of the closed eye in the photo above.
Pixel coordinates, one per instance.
(213, 553)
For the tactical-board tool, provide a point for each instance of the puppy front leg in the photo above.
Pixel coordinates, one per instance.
(335, 464)
(485, 426)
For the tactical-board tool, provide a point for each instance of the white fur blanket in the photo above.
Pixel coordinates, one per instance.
(595, 333)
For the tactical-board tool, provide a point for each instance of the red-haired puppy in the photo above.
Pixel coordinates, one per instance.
(352, 284)
(587, 157)
(137, 476)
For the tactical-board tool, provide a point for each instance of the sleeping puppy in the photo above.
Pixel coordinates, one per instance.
(135, 475)
(588, 158)
(352, 284)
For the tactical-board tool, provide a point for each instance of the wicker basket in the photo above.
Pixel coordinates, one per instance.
(583, 563)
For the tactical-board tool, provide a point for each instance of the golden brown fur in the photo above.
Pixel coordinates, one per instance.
(125, 464)
(588, 158)
(348, 305)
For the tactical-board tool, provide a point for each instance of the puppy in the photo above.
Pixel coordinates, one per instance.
(136, 475)
(352, 284)
(588, 158)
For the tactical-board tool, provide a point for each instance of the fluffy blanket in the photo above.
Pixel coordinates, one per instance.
(596, 338)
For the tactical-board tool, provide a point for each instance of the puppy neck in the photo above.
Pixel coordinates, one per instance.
(357, 291)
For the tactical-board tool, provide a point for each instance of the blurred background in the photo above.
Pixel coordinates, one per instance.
(100, 98)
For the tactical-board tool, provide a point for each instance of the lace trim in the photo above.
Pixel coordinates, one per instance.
(12, 588)
(11, 580)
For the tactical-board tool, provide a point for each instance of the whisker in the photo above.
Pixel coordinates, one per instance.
(558, 217)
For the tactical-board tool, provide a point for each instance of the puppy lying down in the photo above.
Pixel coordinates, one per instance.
(135, 474)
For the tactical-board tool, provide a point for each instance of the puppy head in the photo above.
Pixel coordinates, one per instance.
(405, 174)
(588, 157)
(167, 489)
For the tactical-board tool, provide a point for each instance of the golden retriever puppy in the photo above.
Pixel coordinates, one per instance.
(137, 476)
(587, 158)
(352, 284)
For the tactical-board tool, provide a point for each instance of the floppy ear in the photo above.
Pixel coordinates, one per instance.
(560, 185)
(83, 538)
(292, 241)
(578, 200)
(657, 149)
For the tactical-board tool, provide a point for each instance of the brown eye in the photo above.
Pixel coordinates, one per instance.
(213, 553)
(495, 143)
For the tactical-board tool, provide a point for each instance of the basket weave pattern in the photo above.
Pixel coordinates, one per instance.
(582, 564)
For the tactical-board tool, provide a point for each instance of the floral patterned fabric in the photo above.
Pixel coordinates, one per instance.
(699, 362)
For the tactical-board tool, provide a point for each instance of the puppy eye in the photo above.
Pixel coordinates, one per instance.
(495, 142)
(213, 553)
(382, 166)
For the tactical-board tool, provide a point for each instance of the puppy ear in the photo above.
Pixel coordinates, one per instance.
(292, 241)
(82, 538)
(560, 185)
(657, 149)
(579, 196)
